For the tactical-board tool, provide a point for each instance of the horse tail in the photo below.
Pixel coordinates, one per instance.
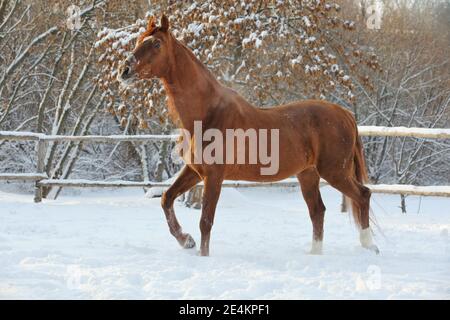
(360, 162)
(360, 174)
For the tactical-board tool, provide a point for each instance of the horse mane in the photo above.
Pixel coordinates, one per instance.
(181, 48)
(195, 59)
(148, 32)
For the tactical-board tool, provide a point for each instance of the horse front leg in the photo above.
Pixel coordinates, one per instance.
(211, 193)
(185, 181)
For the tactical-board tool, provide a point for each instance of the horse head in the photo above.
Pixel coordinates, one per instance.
(151, 55)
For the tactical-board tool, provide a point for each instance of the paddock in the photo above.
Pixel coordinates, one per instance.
(104, 243)
(104, 239)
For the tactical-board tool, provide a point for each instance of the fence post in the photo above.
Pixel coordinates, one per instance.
(41, 152)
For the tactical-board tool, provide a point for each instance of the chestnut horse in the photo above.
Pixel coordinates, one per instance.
(316, 138)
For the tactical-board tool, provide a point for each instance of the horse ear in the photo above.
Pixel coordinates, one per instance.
(164, 23)
(151, 23)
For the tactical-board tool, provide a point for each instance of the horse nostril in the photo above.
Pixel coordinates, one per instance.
(125, 71)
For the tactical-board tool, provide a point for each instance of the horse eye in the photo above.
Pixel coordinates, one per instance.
(157, 44)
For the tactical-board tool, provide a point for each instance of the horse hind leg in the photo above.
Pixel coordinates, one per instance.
(360, 198)
(309, 182)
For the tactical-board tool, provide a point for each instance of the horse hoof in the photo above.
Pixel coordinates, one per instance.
(373, 248)
(204, 252)
(189, 242)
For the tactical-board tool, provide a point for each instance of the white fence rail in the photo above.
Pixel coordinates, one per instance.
(424, 133)
(41, 179)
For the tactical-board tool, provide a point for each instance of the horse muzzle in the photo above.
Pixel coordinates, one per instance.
(126, 72)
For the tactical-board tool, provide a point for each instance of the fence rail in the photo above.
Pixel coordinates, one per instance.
(41, 179)
(420, 133)
(374, 131)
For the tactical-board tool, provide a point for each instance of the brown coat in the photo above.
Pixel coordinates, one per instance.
(316, 138)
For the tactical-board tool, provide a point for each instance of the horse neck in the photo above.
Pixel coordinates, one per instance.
(191, 88)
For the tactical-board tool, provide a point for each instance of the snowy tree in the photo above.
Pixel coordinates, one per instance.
(412, 91)
(272, 51)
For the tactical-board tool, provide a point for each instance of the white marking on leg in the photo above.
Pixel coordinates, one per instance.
(316, 247)
(365, 237)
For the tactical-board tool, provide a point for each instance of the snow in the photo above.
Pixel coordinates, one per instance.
(155, 192)
(23, 175)
(22, 134)
(296, 61)
(258, 43)
(116, 244)
(310, 39)
(39, 136)
(195, 28)
(121, 183)
(306, 21)
(438, 133)
(411, 189)
(253, 37)
(442, 133)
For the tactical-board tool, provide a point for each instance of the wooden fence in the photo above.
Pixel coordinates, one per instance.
(41, 180)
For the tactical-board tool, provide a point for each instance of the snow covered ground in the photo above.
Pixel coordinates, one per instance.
(102, 244)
